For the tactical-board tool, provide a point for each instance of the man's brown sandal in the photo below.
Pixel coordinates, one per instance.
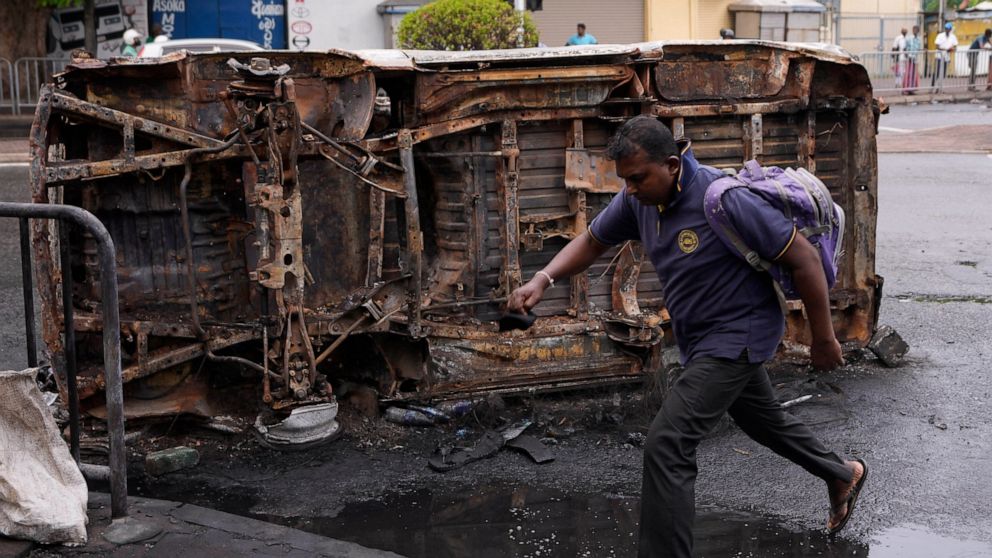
(852, 498)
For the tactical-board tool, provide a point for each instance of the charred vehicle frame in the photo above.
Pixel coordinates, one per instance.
(317, 216)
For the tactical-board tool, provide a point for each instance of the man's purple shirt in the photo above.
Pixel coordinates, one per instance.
(719, 304)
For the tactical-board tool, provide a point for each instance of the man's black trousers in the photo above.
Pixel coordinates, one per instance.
(707, 389)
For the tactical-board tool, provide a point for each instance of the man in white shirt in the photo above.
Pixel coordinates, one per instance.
(946, 43)
(899, 56)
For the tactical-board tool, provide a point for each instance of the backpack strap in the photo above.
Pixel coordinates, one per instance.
(718, 219)
(754, 169)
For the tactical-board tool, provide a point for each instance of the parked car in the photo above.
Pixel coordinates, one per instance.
(157, 49)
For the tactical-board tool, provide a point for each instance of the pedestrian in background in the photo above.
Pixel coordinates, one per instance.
(910, 75)
(947, 42)
(132, 39)
(899, 56)
(982, 45)
(581, 37)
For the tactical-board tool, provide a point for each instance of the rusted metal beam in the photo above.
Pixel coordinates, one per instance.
(507, 177)
(377, 221)
(753, 139)
(579, 283)
(65, 103)
(807, 141)
(414, 234)
(786, 106)
(430, 131)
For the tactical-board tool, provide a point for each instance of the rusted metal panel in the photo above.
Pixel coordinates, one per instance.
(590, 171)
(268, 213)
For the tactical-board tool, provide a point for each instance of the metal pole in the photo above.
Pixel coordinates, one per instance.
(881, 34)
(69, 339)
(27, 281)
(520, 6)
(111, 332)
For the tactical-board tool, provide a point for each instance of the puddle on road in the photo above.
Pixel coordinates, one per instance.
(916, 541)
(539, 522)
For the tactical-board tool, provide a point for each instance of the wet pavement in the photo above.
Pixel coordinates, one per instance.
(925, 427)
(528, 522)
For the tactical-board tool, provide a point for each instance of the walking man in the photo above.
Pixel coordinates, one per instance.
(899, 56)
(911, 78)
(726, 318)
(981, 44)
(946, 42)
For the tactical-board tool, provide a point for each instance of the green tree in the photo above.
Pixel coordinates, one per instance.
(465, 25)
(89, 17)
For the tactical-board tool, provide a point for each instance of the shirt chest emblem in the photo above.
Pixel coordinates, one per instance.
(688, 241)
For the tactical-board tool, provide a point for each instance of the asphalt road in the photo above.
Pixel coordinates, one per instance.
(925, 428)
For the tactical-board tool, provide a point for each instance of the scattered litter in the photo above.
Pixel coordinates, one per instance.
(171, 460)
(50, 397)
(636, 439)
(937, 423)
(458, 409)
(435, 415)
(888, 346)
(515, 430)
(447, 458)
(224, 425)
(797, 401)
(743, 452)
(408, 417)
(532, 447)
(42, 493)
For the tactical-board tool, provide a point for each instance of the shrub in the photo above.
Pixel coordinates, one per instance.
(465, 25)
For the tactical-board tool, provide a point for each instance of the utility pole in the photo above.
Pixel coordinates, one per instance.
(520, 6)
(89, 26)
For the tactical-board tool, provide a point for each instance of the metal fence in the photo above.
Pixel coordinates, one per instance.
(7, 98)
(871, 32)
(69, 216)
(928, 71)
(30, 74)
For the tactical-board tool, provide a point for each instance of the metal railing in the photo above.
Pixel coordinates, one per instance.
(929, 71)
(68, 215)
(8, 101)
(30, 74)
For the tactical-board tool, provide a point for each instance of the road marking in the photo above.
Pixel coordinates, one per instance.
(896, 130)
(4, 165)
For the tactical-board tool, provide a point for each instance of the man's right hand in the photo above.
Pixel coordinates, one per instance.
(527, 295)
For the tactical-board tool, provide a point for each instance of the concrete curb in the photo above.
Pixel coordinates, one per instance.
(188, 530)
(892, 99)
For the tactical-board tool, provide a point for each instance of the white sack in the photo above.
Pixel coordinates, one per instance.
(42, 493)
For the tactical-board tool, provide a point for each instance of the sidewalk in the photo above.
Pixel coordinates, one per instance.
(175, 529)
(895, 98)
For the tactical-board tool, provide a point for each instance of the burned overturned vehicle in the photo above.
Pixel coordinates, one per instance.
(314, 218)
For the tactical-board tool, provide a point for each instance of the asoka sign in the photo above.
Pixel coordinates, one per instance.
(169, 6)
(260, 9)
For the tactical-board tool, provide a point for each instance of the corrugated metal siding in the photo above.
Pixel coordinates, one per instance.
(620, 21)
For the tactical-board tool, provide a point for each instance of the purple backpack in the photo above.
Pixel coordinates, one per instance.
(801, 197)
